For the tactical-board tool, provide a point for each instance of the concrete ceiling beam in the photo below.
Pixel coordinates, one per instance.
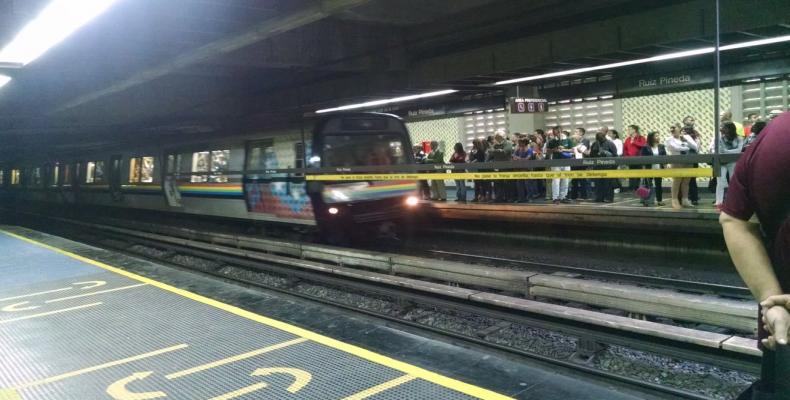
(686, 21)
(268, 28)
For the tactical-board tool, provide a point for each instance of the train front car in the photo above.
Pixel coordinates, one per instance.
(345, 210)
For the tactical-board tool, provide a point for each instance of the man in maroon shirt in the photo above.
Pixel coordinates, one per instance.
(761, 253)
(632, 148)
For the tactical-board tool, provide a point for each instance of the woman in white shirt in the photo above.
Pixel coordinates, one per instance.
(614, 136)
(679, 144)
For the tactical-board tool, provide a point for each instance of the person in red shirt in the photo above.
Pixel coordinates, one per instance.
(760, 186)
(632, 148)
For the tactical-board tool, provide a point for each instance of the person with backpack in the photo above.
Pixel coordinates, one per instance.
(459, 157)
(603, 147)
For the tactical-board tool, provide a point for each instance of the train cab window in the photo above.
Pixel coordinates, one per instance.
(351, 150)
(141, 170)
(214, 163)
(94, 172)
(15, 177)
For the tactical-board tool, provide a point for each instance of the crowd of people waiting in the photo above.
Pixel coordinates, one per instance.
(556, 143)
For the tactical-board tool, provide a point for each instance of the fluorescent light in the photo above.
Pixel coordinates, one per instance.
(56, 22)
(4, 79)
(662, 57)
(752, 43)
(386, 101)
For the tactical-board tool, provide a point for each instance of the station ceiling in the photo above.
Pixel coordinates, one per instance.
(155, 68)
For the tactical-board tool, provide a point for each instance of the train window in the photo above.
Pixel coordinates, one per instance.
(94, 172)
(37, 181)
(200, 163)
(2, 177)
(350, 150)
(55, 175)
(141, 170)
(15, 177)
(219, 165)
(213, 163)
(66, 175)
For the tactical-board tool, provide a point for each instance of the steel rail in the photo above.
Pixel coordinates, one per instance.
(668, 283)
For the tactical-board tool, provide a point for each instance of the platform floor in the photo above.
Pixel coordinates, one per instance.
(74, 327)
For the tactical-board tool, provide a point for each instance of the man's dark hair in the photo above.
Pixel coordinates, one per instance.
(757, 127)
(749, 116)
(634, 127)
(582, 130)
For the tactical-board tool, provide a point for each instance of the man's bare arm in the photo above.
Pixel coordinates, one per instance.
(750, 257)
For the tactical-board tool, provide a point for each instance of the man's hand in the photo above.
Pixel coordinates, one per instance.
(778, 300)
(777, 321)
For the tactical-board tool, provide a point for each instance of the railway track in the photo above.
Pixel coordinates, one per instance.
(593, 331)
(738, 292)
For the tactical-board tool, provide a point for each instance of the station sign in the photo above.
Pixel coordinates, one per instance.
(520, 105)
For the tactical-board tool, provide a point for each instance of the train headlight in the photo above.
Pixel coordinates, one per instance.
(412, 201)
(333, 210)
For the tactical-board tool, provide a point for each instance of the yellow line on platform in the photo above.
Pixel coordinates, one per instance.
(44, 314)
(406, 368)
(229, 360)
(9, 394)
(102, 366)
(241, 392)
(36, 294)
(580, 174)
(94, 293)
(381, 388)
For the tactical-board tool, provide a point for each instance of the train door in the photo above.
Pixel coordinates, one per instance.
(170, 180)
(77, 180)
(281, 195)
(115, 178)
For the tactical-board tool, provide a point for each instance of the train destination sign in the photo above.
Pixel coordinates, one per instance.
(519, 105)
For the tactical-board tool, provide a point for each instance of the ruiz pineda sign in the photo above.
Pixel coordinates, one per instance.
(665, 81)
(659, 82)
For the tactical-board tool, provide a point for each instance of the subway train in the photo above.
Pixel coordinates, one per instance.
(238, 178)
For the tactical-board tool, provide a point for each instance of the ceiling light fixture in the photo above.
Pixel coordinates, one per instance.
(58, 20)
(375, 103)
(4, 79)
(662, 57)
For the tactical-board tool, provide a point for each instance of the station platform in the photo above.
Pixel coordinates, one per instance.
(72, 326)
(626, 211)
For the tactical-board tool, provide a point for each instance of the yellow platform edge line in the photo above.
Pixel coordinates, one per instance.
(9, 394)
(578, 174)
(404, 367)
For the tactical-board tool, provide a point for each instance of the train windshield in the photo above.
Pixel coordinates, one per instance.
(353, 150)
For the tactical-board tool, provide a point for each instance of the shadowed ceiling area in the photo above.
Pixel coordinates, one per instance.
(152, 67)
